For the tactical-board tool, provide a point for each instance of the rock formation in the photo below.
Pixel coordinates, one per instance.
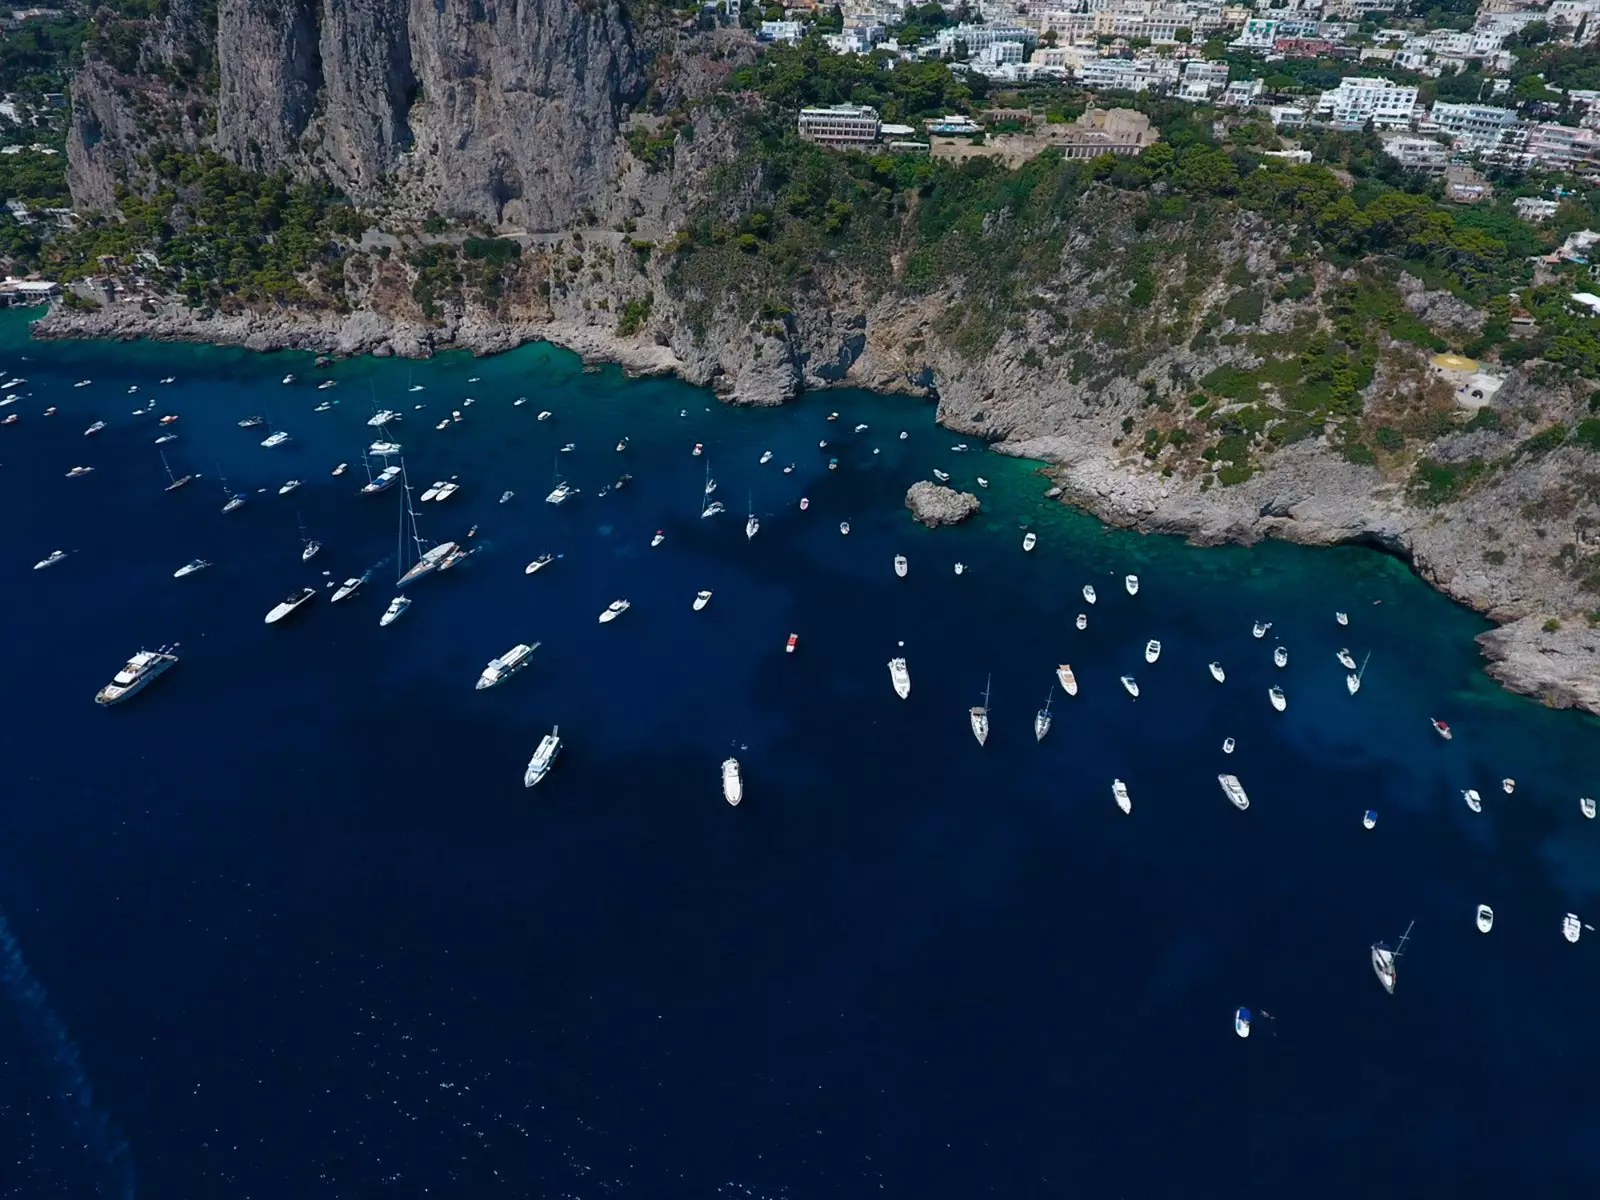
(935, 506)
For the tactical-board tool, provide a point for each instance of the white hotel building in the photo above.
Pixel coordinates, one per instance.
(1359, 100)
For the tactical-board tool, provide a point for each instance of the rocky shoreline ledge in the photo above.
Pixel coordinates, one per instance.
(1306, 495)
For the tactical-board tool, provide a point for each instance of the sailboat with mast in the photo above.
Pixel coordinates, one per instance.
(1352, 681)
(177, 480)
(751, 526)
(1041, 722)
(308, 546)
(561, 489)
(979, 715)
(708, 506)
(382, 481)
(233, 500)
(436, 558)
(1386, 962)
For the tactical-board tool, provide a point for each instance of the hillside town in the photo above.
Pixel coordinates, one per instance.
(1438, 96)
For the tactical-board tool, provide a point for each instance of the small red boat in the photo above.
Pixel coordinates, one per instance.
(793, 639)
(1441, 728)
(169, 418)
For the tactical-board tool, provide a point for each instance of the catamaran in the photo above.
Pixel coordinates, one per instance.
(978, 714)
(561, 490)
(1030, 540)
(1353, 682)
(1279, 701)
(1217, 672)
(1346, 660)
(732, 782)
(1088, 592)
(1386, 962)
(543, 757)
(291, 602)
(1069, 681)
(1280, 657)
(506, 665)
(379, 419)
(190, 567)
(139, 671)
(1234, 791)
(614, 610)
(900, 676)
(1152, 650)
(1131, 582)
(1041, 719)
(1132, 687)
(1485, 918)
(900, 565)
(1120, 791)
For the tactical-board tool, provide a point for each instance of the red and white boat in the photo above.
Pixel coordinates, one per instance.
(794, 639)
(1441, 728)
(169, 418)
(804, 504)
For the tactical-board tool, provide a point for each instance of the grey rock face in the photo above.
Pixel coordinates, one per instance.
(934, 505)
(271, 71)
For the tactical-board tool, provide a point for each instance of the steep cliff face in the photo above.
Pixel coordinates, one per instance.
(504, 111)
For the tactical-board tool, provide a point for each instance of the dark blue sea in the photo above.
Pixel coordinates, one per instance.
(289, 925)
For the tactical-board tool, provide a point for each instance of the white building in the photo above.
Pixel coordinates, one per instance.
(996, 53)
(1563, 147)
(1473, 126)
(980, 37)
(1287, 116)
(780, 31)
(1202, 79)
(1417, 153)
(1242, 93)
(1128, 74)
(1358, 100)
(1256, 35)
(1531, 208)
(841, 125)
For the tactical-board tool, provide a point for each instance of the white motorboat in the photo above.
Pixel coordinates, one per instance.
(348, 588)
(383, 449)
(1227, 745)
(1041, 721)
(658, 539)
(289, 486)
(136, 674)
(960, 448)
(288, 378)
(941, 476)
(982, 482)
(900, 565)
(543, 757)
(805, 503)
(1030, 540)
(94, 429)
(291, 602)
(379, 419)
(505, 497)
(1234, 791)
(1441, 728)
(396, 606)
(622, 445)
(1082, 622)
(1386, 962)
(275, 439)
(1120, 791)
(83, 383)
(1275, 694)
(538, 564)
(1341, 618)
(712, 509)
(165, 438)
(766, 457)
(1217, 672)
(1571, 927)
(190, 567)
(380, 482)
(1152, 650)
(1346, 660)
(1069, 681)
(446, 491)
(252, 422)
(978, 715)
(844, 528)
(1241, 1022)
(1369, 819)
(569, 447)
(1474, 801)
(1260, 629)
(701, 599)
(900, 676)
(506, 665)
(50, 560)
(75, 472)
(732, 782)
(431, 491)
(1088, 592)
(340, 469)
(1131, 582)
(1508, 786)
(546, 415)
(613, 610)
(445, 424)
(326, 384)
(308, 551)
(415, 387)
(1485, 918)
(1280, 657)
(1586, 807)
(1131, 686)
(961, 568)
(904, 435)
(789, 470)
(861, 428)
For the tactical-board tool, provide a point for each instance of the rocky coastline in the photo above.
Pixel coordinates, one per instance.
(1541, 647)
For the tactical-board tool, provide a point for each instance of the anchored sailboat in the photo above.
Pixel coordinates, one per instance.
(177, 480)
(1041, 722)
(979, 714)
(437, 558)
(1352, 681)
(1386, 962)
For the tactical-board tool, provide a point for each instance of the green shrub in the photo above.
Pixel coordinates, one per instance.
(1495, 558)
(1587, 434)
(1358, 452)
(1244, 307)
(1389, 438)
(1543, 442)
(1551, 625)
(1433, 482)
(634, 314)
(1484, 418)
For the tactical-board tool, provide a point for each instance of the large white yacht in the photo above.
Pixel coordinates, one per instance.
(291, 602)
(900, 676)
(1131, 685)
(275, 439)
(539, 564)
(732, 782)
(506, 665)
(613, 610)
(1088, 592)
(1279, 701)
(396, 606)
(349, 586)
(50, 560)
(139, 671)
(543, 758)
(1069, 681)
(1234, 790)
(382, 481)
(190, 567)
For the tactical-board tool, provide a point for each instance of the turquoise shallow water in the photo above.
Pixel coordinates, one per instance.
(289, 923)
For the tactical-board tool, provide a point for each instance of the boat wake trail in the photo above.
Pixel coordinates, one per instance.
(98, 1133)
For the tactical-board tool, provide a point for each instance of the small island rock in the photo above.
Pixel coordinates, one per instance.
(934, 505)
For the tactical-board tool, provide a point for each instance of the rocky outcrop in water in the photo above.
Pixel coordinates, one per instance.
(934, 505)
